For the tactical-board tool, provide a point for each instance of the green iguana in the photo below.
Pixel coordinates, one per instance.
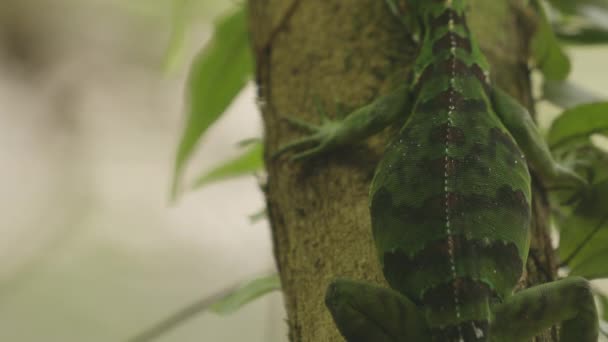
(450, 204)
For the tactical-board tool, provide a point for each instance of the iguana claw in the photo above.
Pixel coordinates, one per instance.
(322, 137)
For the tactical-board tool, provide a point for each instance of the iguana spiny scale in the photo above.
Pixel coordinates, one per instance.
(450, 204)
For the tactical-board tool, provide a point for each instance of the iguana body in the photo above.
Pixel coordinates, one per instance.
(450, 205)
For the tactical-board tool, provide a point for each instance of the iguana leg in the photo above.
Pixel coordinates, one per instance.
(357, 126)
(568, 301)
(517, 120)
(368, 313)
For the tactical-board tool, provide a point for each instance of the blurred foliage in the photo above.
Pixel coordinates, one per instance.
(217, 75)
(603, 300)
(567, 94)
(576, 125)
(583, 216)
(584, 235)
(179, 28)
(245, 294)
(547, 53)
(581, 21)
(192, 9)
(223, 303)
(247, 163)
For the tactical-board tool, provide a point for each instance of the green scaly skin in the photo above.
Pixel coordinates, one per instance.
(450, 205)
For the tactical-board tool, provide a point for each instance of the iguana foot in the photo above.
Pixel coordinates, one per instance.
(568, 301)
(353, 128)
(369, 313)
(321, 137)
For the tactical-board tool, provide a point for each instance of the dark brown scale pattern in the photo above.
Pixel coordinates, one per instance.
(444, 19)
(455, 66)
(513, 199)
(447, 134)
(440, 166)
(451, 97)
(473, 160)
(500, 138)
(435, 256)
(505, 199)
(451, 166)
(450, 38)
(466, 289)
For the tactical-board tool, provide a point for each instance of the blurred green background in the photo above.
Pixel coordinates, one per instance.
(90, 114)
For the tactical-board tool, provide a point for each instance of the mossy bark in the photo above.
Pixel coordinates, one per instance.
(344, 53)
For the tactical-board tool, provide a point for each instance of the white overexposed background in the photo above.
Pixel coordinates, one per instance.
(90, 247)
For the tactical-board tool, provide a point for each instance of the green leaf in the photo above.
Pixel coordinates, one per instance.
(217, 75)
(250, 161)
(586, 160)
(261, 214)
(577, 124)
(243, 295)
(584, 22)
(584, 235)
(179, 24)
(546, 50)
(226, 301)
(595, 12)
(567, 94)
(592, 162)
(579, 6)
(603, 301)
(249, 141)
(594, 266)
(603, 332)
(566, 6)
(583, 35)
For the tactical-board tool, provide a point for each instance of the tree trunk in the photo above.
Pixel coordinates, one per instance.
(345, 53)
